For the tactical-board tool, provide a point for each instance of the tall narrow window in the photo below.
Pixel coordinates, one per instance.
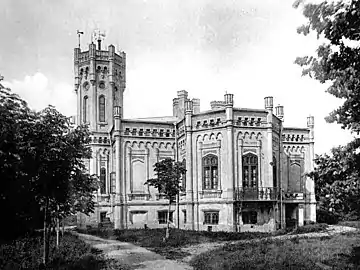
(102, 180)
(250, 171)
(85, 111)
(210, 169)
(102, 109)
(274, 173)
(183, 180)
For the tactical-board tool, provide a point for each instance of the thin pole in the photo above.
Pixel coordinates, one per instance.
(79, 33)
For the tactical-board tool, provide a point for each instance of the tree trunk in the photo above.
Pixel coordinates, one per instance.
(57, 227)
(168, 221)
(46, 249)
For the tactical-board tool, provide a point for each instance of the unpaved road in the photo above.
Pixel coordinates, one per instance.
(134, 256)
(141, 258)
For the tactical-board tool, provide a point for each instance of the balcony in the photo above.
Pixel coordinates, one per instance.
(257, 194)
(293, 196)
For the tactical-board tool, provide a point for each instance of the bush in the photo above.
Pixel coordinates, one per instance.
(325, 216)
(26, 253)
(316, 227)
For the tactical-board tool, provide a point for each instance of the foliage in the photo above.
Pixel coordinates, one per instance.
(338, 59)
(337, 63)
(337, 186)
(41, 165)
(314, 253)
(168, 174)
(25, 253)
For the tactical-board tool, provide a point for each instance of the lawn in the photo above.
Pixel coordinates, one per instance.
(336, 252)
(171, 249)
(73, 253)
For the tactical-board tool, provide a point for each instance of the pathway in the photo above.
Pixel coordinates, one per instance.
(134, 256)
(141, 258)
(195, 250)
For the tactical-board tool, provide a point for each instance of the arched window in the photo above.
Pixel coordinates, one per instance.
(250, 171)
(85, 111)
(102, 180)
(274, 172)
(210, 169)
(102, 109)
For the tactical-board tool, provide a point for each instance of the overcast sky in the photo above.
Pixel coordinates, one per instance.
(245, 47)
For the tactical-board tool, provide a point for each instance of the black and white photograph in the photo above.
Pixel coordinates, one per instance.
(180, 134)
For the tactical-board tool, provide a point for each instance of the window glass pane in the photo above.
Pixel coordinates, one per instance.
(102, 109)
(102, 180)
(253, 176)
(207, 218)
(246, 176)
(214, 174)
(215, 218)
(206, 178)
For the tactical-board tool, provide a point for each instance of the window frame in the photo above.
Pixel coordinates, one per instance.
(164, 220)
(85, 109)
(102, 107)
(249, 217)
(210, 167)
(102, 180)
(250, 167)
(211, 217)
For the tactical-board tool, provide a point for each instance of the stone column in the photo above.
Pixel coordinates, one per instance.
(229, 181)
(269, 150)
(189, 169)
(93, 97)
(300, 215)
(310, 186)
(119, 214)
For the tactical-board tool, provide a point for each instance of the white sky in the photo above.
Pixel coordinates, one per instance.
(245, 47)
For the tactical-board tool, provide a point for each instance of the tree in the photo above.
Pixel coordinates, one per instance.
(337, 63)
(338, 59)
(42, 160)
(167, 181)
(337, 187)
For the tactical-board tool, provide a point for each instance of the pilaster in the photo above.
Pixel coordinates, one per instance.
(189, 167)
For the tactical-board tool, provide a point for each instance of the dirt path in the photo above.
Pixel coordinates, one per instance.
(195, 250)
(134, 256)
(141, 258)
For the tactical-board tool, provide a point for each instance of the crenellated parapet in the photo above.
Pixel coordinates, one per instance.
(149, 132)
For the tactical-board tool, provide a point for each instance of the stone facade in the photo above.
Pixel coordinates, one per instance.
(245, 170)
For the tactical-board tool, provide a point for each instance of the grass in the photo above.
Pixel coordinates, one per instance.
(337, 252)
(171, 249)
(73, 253)
(354, 224)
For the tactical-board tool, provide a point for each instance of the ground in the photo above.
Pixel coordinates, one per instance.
(131, 255)
(141, 258)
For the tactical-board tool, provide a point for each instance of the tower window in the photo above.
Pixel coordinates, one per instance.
(102, 109)
(250, 170)
(210, 169)
(85, 104)
(102, 180)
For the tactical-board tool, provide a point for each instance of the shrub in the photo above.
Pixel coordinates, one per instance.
(26, 253)
(325, 216)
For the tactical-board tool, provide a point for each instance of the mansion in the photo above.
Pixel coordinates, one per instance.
(245, 170)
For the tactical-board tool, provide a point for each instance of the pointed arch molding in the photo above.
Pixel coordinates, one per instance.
(208, 144)
(248, 143)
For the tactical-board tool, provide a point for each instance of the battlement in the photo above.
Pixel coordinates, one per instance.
(98, 55)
